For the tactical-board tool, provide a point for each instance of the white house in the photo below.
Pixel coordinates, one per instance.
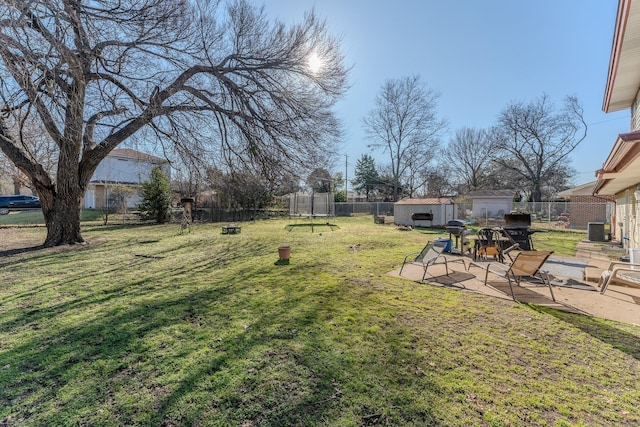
(491, 203)
(620, 173)
(122, 166)
(416, 212)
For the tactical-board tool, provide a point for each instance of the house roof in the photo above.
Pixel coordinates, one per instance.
(427, 201)
(580, 190)
(623, 79)
(620, 170)
(129, 153)
(492, 194)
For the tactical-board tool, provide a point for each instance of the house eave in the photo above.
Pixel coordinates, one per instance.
(623, 79)
(620, 170)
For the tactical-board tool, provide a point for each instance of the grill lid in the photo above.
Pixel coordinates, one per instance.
(457, 227)
(456, 223)
(517, 220)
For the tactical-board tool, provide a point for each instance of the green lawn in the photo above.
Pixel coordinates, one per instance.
(148, 326)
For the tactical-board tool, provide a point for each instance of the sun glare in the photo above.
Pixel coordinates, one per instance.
(315, 63)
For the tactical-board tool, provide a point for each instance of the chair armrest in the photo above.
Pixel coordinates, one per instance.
(511, 248)
(626, 264)
(456, 258)
(626, 268)
(487, 266)
(412, 254)
(503, 269)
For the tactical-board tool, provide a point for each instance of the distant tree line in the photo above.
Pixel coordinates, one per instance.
(526, 149)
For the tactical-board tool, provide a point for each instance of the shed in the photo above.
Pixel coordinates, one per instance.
(491, 203)
(429, 212)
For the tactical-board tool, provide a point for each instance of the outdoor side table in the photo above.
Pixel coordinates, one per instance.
(231, 229)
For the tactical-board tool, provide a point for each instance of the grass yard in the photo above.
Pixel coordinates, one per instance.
(145, 326)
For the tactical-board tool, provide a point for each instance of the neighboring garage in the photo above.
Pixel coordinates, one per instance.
(491, 203)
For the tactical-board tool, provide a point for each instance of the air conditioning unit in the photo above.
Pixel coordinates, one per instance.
(595, 231)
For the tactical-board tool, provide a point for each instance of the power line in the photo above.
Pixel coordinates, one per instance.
(610, 120)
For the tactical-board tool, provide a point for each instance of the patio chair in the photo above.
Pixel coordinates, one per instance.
(429, 255)
(525, 265)
(488, 244)
(620, 272)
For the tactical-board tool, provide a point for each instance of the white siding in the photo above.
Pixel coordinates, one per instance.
(122, 170)
(491, 208)
(113, 169)
(441, 214)
(635, 115)
(90, 198)
(627, 229)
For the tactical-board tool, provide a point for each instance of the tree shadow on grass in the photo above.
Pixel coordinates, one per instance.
(8, 257)
(627, 341)
(17, 251)
(255, 361)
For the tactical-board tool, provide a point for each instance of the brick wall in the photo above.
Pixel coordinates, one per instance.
(586, 209)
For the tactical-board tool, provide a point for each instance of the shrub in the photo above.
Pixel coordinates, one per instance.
(156, 198)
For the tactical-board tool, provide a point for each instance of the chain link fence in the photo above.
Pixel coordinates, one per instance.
(364, 208)
(564, 214)
(574, 215)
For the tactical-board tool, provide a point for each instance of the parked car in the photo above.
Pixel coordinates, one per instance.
(19, 202)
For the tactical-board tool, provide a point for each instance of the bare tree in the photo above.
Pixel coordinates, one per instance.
(189, 179)
(119, 195)
(438, 184)
(319, 180)
(242, 189)
(469, 158)
(190, 74)
(37, 144)
(535, 140)
(404, 124)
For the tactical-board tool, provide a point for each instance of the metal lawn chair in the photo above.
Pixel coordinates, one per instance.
(429, 255)
(620, 272)
(525, 265)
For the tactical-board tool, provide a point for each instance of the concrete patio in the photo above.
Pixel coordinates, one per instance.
(574, 282)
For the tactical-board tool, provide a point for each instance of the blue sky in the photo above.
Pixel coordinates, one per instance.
(480, 55)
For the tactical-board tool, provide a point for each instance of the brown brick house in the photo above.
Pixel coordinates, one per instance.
(585, 207)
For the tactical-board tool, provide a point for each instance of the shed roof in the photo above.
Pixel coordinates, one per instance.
(426, 201)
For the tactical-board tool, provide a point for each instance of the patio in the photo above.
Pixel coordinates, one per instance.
(572, 292)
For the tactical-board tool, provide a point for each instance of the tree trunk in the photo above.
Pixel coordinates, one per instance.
(61, 205)
(536, 195)
(63, 222)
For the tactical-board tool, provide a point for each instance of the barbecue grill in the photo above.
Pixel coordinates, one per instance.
(457, 229)
(518, 228)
